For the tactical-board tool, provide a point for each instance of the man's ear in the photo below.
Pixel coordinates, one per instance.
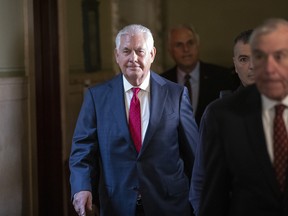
(153, 53)
(116, 55)
(234, 62)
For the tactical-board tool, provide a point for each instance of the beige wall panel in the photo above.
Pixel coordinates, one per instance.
(13, 146)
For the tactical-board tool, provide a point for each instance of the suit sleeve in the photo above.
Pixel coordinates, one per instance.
(188, 133)
(210, 185)
(83, 157)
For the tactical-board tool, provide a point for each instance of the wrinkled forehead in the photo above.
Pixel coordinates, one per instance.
(133, 40)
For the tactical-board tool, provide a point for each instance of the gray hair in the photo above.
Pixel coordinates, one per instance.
(189, 27)
(267, 27)
(135, 29)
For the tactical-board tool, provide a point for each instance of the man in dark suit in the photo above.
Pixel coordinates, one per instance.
(243, 65)
(244, 138)
(153, 177)
(206, 80)
(242, 58)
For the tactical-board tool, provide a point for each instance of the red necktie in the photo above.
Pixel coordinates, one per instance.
(135, 119)
(280, 146)
(188, 85)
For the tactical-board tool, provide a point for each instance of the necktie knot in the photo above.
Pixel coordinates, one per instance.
(135, 94)
(187, 78)
(135, 91)
(279, 109)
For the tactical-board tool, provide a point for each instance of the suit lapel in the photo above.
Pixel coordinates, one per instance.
(254, 125)
(157, 103)
(158, 94)
(118, 108)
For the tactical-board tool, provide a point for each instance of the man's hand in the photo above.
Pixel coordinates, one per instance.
(82, 203)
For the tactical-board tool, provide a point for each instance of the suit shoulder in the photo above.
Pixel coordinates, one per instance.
(235, 107)
(238, 100)
(116, 80)
(164, 80)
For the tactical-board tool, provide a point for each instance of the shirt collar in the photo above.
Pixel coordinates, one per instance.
(194, 73)
(144, 86)
(268, 104)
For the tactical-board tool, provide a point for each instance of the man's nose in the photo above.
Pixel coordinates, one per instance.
(270, 64)
(133, 56)
(186, 47)
(251, 66)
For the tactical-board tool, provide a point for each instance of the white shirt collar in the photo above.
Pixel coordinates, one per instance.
(268, 104)
(195, 73)
(144, 86)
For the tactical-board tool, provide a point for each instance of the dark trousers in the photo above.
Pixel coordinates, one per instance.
(139, 211)
(139, 207)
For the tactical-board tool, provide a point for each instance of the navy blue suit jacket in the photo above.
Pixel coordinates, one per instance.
(233, 174)
(103, 155)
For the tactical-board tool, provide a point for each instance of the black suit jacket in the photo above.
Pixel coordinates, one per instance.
(213, 79)
(233, 173)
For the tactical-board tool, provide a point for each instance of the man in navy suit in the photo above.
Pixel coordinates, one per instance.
(206, 80)
(154, 181)
(236, 168)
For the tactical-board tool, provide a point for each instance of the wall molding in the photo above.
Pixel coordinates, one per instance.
(13, 88)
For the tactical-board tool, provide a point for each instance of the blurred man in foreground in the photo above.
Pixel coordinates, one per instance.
(241, 161)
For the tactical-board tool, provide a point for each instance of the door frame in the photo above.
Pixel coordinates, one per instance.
(48, 108)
